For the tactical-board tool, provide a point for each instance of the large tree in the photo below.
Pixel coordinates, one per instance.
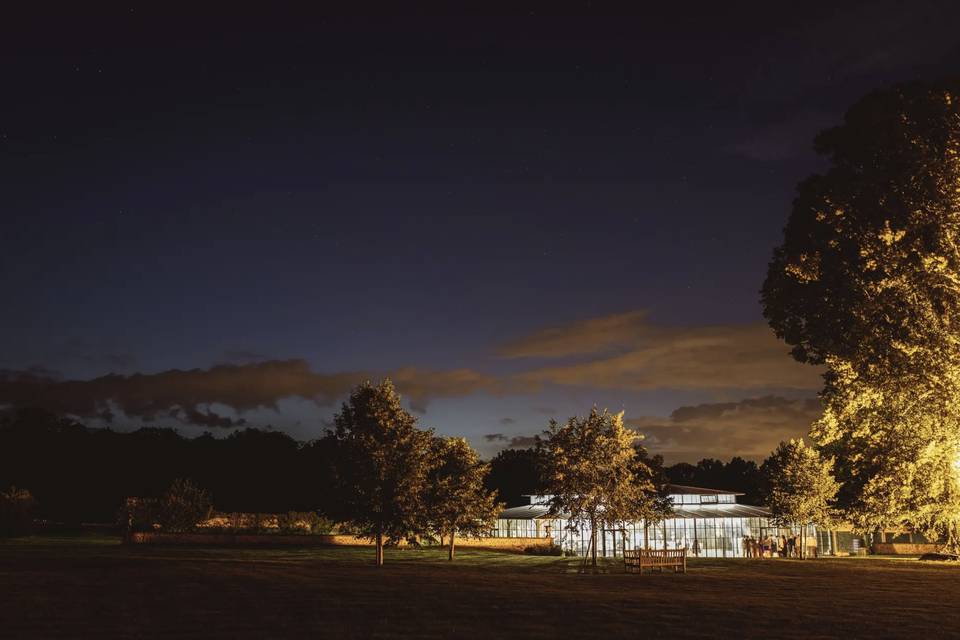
(593, 475)
(382, 465)
(867, 282)
(457, 501)
(801, 487)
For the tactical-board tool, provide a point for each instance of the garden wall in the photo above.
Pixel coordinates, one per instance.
(904, 548)
(321, 540)
(503, 544)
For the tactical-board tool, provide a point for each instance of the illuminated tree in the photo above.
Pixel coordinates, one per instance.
(593, 474)
(458, 502)
(802, 486)
(899, 445)
(382, 464)
(867, 282)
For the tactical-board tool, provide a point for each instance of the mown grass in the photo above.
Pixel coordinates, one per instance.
(94, 587)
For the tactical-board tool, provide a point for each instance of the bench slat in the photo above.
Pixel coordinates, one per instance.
(634, 560)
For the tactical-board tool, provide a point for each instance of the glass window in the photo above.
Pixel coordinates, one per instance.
(708, 499)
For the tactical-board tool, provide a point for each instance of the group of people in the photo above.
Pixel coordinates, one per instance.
(769, 547)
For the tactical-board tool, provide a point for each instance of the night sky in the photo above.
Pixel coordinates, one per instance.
(514, 216)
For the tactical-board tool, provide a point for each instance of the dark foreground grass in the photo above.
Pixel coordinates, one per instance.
(96, 588)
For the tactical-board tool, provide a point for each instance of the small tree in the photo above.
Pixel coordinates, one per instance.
(457, 500)
(183, 506)
(382, 465)
(16, 511)
(802, 486)
(592, 473)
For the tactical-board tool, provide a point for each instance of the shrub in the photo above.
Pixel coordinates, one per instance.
(303, 522)
(16, 511)
(543, 550)
(183, 506)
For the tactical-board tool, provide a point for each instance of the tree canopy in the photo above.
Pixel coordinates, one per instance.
(457, 501)
(867, 282)
(802, 486)
(383, 460)
(592, 473)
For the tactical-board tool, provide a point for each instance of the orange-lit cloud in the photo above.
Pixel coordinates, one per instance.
(625, 352)
(590, 336)
(749, 428)
(422, 385)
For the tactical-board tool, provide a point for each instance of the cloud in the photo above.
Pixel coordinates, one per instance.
(585, 337)
(506, 421)
(206, 418)
(422, 385)
(522, 442)
(750, 428)
(512, 442)
(188, 395)
(629, 353)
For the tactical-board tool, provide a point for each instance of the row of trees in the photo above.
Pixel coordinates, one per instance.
(395, 481)
(445, 490)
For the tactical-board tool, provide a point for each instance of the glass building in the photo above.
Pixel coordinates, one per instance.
(709, 523)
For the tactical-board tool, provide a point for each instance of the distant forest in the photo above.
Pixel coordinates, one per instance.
(78, 474)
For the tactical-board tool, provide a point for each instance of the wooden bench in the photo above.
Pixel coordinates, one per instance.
(634, 560)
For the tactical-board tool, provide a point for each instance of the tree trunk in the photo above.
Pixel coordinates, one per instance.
(453, 533)
(953, 538)
(379, 545)
(593, 544)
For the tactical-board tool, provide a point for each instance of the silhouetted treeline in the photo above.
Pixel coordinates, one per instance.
(514, 473)
(78, 474)
(737, 475)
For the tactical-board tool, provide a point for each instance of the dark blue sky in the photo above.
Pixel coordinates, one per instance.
(383, 192)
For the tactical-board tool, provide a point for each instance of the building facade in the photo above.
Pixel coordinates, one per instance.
(709, 523)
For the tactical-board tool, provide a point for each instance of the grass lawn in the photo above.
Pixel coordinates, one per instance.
(94, 587)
